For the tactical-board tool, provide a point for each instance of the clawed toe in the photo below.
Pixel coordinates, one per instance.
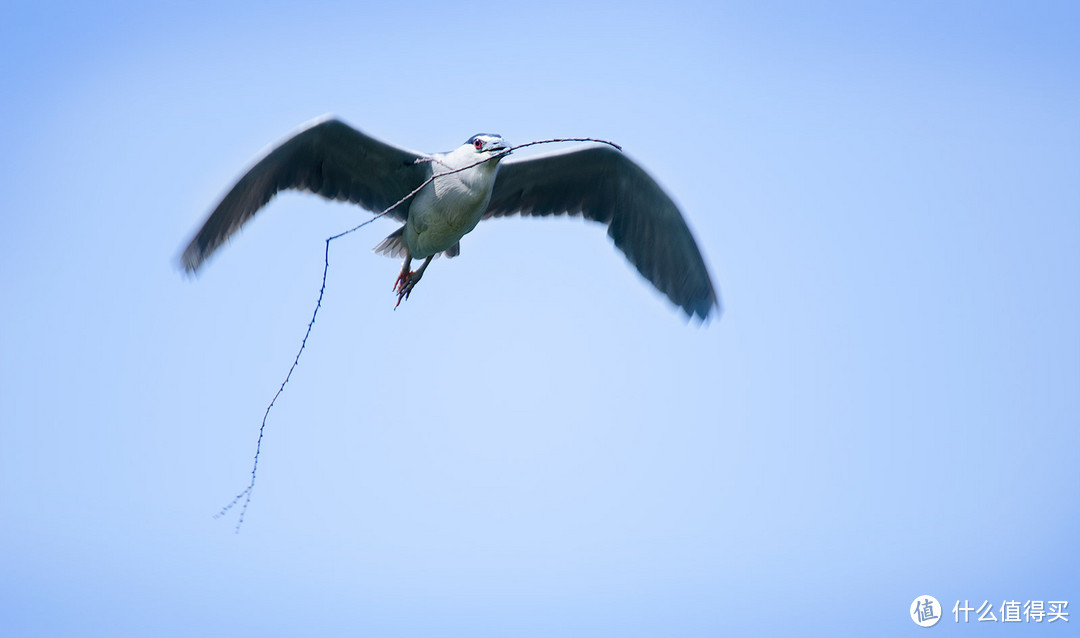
(402, 280)
(403, 287)
(407, 280)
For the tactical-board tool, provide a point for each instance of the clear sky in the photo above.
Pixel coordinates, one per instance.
(537, 443)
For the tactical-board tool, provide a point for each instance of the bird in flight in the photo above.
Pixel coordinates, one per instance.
(454, 191)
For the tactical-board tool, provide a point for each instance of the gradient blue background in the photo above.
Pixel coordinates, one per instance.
(537, 444)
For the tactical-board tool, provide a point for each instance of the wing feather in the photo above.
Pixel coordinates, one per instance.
(330, 159)
(603, 185)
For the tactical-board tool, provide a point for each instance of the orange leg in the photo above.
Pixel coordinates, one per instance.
(407, 280)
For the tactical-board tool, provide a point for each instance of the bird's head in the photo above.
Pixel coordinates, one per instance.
(487, 144)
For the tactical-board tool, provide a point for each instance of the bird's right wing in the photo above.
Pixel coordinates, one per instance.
(329, 158)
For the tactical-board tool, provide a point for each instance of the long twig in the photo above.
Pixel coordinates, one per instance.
(245, 495)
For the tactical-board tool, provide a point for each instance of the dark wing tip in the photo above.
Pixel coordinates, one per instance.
(705, 309)
(695, 296)
(192, 257)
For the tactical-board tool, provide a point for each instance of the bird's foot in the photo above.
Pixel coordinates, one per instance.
(404, 285)
(407, 280)
(402, 279)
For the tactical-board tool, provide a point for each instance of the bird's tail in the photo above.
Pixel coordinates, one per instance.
(394, 246)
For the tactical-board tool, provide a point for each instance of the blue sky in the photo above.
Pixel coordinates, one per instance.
(537, 443)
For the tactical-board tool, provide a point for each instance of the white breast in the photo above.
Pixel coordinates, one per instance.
(451, 206)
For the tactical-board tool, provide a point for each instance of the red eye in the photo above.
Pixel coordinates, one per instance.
(478, 144)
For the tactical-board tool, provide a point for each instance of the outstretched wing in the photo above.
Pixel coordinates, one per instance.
(329, 158)
(602, 184)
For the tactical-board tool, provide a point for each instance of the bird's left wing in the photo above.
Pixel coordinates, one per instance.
(329, 158)
(602, 184)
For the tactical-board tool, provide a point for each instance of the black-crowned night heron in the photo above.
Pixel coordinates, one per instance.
(334, 160)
